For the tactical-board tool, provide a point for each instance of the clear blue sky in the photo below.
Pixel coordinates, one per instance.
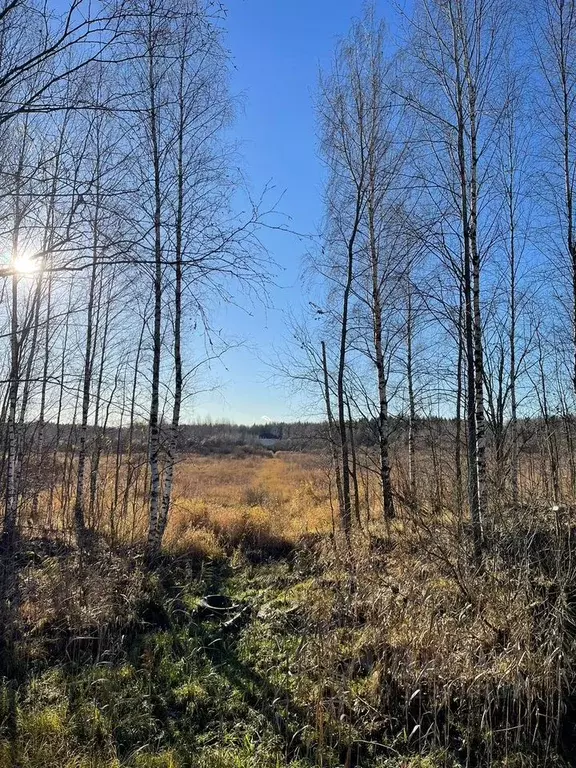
(277, 48)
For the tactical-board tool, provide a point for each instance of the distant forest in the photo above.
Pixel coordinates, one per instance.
(221, 437)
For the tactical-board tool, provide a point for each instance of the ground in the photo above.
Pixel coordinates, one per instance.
(383, 652)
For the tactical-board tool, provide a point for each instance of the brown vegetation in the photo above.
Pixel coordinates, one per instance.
(382, 649)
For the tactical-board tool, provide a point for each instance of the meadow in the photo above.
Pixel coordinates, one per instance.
(387, 650)
(261, 500)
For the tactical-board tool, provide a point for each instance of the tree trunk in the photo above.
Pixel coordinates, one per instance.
(89, 351)
(331, 427)
(154, 531)
(471, 305)
(413, 489)
(354, 467)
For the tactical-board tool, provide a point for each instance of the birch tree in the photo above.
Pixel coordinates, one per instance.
(364, 154)
(458, 48)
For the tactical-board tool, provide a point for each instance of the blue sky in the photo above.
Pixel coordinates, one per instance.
(277, 47)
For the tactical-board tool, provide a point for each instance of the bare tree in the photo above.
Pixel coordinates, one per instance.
(556, 49)
(365, 154)
(458, 47)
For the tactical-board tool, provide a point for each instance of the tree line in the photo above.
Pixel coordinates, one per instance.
(124, 217)
(444, 286)
(445, 283)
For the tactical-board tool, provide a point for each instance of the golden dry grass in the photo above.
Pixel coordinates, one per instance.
(258, 498)
(397, 627)
(218, 502)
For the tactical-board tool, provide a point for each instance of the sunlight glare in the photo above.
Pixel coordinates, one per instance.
(25, 264)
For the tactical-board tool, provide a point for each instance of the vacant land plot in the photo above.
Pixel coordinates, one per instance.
(257, 500)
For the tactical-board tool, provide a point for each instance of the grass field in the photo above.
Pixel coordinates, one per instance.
(389, 652)
(260, 500)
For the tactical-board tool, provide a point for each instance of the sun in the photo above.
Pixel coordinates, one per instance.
(25, 264)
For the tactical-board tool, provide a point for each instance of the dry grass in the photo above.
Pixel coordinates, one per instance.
(398, 639)
(257, 500)
(408, 639)
(218, 503)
